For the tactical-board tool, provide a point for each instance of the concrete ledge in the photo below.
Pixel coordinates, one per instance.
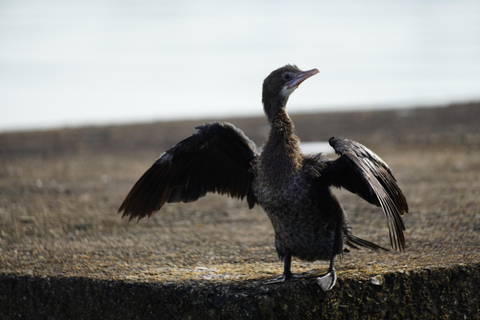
(65, 253)
(435, 293)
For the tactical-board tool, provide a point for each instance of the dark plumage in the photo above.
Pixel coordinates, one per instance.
(292, 188)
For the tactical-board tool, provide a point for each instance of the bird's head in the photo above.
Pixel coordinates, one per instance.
(280, 84)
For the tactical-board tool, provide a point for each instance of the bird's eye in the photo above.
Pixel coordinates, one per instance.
(287, 76)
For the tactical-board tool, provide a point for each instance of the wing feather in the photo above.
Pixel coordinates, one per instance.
(361, 171)
(216, 158)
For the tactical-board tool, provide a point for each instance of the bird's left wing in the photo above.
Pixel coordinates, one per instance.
(362, 172)
(216, 158)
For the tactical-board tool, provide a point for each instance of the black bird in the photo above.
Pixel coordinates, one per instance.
(292, 188)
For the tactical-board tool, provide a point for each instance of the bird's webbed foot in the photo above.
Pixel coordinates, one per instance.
(287, 274)
(284, 278)
(328, 280)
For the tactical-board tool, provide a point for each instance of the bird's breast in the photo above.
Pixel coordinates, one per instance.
(277, 193)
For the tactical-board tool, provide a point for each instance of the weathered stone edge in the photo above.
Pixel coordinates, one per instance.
(428, 293)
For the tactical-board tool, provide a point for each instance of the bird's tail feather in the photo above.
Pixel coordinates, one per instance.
(356, 242)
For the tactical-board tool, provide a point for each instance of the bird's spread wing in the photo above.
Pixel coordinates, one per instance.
(216, 158)
(361, 171)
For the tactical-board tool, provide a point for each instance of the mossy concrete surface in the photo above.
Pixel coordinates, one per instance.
(65, 253)
(433, 293)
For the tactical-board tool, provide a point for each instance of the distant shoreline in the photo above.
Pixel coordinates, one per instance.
(453, 126)
(293, 113)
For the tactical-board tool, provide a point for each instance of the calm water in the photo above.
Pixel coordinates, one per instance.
(90, 62)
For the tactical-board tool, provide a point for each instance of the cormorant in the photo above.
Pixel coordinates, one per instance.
(292, 188)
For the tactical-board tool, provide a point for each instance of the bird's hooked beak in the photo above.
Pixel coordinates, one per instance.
(302, 76)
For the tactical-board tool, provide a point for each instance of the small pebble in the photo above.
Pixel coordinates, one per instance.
(377, 280)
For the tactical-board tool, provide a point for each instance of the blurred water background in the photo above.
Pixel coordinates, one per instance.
(83, 62)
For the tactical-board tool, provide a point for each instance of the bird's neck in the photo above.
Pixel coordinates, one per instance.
(281, 156)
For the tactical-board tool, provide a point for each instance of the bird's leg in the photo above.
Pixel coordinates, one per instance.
(287, 274)
(328, 280)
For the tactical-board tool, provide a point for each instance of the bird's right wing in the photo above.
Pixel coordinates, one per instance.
(216, 158)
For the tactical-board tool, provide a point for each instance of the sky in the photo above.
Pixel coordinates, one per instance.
(73, 63)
